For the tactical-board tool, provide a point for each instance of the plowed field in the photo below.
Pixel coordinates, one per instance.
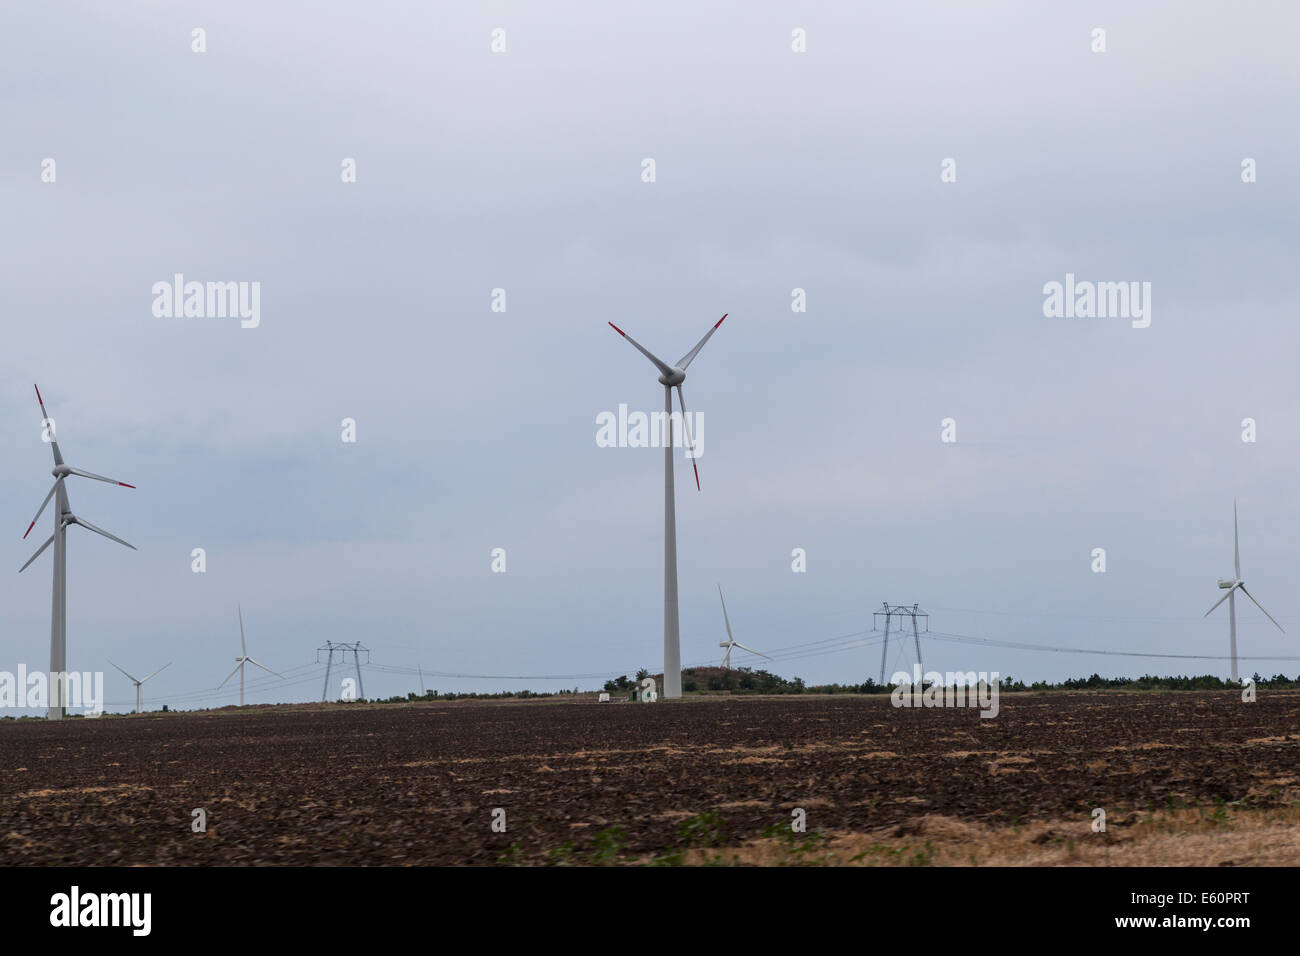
(623, 782)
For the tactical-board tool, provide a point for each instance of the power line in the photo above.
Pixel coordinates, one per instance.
(214, 693)
(1098, 619)
(306, 673)
(1020, 645)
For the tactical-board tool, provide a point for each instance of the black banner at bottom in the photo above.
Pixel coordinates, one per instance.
(607, 904)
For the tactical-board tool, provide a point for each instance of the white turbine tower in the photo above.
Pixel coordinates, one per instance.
(671, 377)
(243, 659)
(137, 683)
(63, 517)
(731, 642)
(1232, 587)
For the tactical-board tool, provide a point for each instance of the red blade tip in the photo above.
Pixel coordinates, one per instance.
(617, 329)
(29, 529)
(125, 485)
(723, 319)
(697, 474)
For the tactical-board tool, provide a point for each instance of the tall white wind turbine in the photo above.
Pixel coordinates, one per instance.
(243, 659)
(731, 642)
(1232, 587)
(63, 517)
(671, 377)
(137, 683)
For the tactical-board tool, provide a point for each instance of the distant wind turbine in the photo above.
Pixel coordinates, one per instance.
(141, 681)
(243, 659)
(731, 642)
(1232, 587)
(672, 377)
(63, 517)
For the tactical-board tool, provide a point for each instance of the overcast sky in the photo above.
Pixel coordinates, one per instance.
(523, 170)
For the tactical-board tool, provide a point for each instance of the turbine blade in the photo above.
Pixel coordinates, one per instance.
(1261, 607)
(659, 363)
(89, 474)
(230, 675)
(48, 542)
(690, 442)
(751, 650)
(242, 643)
(54, 445)
(133, 680)
(726, 619)
(1222, 599)
(1236, 551)
(41, 510)
(689, 357)
(111, 537)
(265, 668)
(163, 668)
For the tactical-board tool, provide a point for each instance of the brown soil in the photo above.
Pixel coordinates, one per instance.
(1183, 777)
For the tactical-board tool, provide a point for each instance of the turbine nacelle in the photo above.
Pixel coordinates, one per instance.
(1228, 584)
(674, 376)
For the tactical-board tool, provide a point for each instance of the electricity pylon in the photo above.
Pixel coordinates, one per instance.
(342, 649)
(899, 610)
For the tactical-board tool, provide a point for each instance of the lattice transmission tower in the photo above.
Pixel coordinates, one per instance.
(891, 611)
(343, 650)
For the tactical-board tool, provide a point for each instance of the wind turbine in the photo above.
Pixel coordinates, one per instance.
(141, 681)
(670, 378)
(63, 517)
(731, 642)
(1232, 587)
(243, 659)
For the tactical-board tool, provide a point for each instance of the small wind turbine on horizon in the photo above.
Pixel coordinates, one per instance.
(63, 517)
(731, 642)
(671, 377)
(1232, 587)
(141, 681)
(243, 659)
